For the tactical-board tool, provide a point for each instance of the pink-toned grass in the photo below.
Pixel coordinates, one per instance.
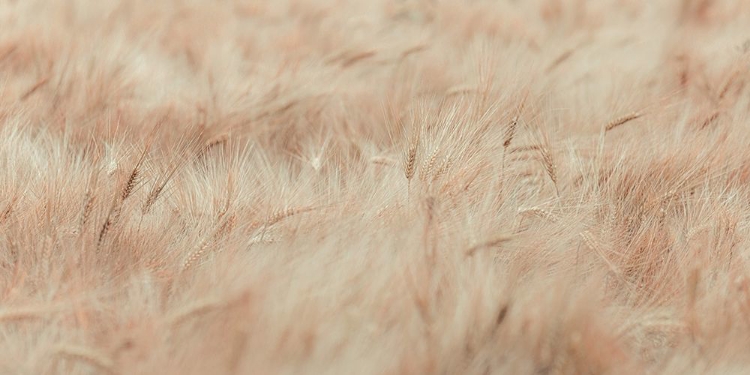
(374, 187)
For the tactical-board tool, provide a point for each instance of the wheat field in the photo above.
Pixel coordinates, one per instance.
(374, 187)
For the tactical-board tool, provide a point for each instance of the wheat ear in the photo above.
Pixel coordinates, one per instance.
(511, 130)
(621, 121)
(281, 215)
(114, 212)
(154, 194)
(411, 158)
(549, 166)
(88, 202)
(133, 178)
(428, 165)
(539, 212)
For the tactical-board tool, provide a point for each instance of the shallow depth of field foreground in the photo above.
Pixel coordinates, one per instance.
(374, 187)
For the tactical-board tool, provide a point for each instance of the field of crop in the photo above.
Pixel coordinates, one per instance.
(374, 187)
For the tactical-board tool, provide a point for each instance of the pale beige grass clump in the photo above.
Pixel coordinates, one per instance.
(374, 187)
